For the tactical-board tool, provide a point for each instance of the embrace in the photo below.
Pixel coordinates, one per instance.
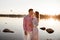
(30, 23)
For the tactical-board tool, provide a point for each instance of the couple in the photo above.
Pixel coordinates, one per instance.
(30, 23)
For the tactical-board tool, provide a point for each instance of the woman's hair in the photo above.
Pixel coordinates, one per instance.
(37, 14)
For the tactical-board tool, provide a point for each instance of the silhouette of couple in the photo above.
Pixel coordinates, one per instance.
(30, 23)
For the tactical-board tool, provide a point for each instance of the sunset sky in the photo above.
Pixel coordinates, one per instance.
(50, 7)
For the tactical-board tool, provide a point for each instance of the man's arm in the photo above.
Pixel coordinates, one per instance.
(24, 26)
(31, 25)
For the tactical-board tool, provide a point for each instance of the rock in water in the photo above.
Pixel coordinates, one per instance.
(8, 31)
(43, 28)
(49, 30)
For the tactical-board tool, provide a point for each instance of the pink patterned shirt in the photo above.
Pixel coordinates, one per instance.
(27, 22)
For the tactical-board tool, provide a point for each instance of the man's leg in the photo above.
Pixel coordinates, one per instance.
(28, 36)
(31, 35)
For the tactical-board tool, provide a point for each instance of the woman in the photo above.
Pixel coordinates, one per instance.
(35, 23)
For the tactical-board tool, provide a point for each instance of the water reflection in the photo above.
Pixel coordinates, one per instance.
(13, 24)
(55, 17)
(49, 23)
(16, 24)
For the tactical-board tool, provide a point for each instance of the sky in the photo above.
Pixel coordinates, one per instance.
(50, 7)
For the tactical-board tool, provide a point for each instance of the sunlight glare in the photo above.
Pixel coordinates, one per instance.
(51, 21)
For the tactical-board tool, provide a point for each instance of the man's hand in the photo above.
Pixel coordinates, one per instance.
(25, 32)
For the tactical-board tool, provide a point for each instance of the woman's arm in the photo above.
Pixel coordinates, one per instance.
(35, 22)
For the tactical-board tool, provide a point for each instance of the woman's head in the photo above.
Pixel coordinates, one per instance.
(37, 14)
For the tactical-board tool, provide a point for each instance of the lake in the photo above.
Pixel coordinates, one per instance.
(16, 25)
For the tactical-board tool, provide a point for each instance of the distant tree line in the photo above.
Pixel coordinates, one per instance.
(41, 16)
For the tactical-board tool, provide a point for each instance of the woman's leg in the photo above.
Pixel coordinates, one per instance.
(35, 34)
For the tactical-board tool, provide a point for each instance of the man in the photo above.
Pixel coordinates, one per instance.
(28, 25)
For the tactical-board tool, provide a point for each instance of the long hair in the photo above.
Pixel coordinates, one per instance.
(37, 14)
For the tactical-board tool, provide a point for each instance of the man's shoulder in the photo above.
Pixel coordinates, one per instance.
(26, 17)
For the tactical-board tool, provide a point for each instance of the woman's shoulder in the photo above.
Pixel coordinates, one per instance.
(35, 18)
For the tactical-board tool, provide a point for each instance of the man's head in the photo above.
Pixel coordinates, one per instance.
(30, 11)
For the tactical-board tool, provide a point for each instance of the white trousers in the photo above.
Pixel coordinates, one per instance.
(28, 36)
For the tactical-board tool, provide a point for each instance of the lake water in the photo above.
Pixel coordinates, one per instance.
(16, 25)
